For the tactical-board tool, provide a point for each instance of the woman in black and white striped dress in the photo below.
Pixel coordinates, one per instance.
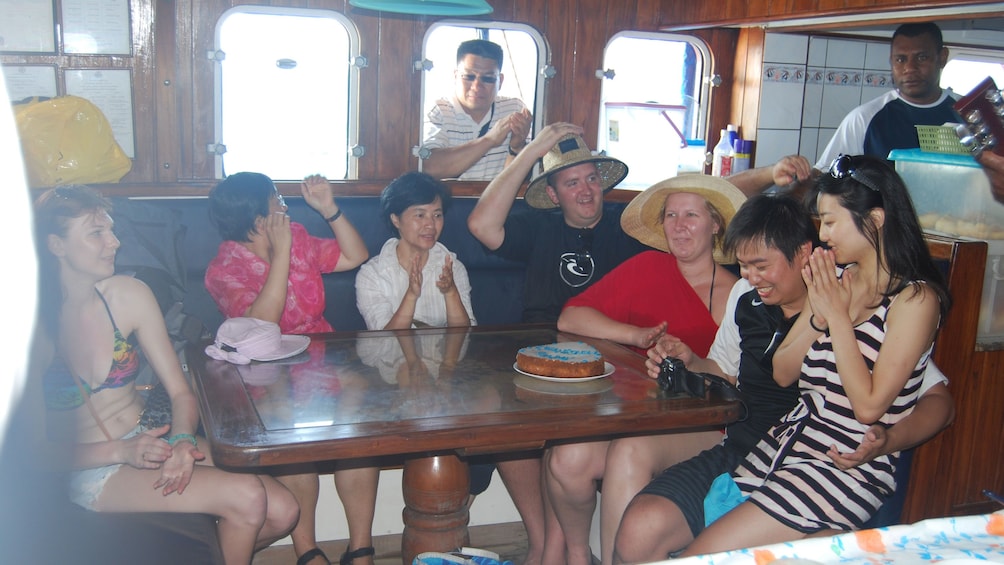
(858, 351)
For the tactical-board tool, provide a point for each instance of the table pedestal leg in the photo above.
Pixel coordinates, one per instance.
(435, 496)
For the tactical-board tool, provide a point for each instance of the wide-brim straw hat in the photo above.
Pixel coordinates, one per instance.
(569, 151)
(642, 217)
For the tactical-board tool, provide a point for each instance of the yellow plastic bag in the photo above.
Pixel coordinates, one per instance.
(68, 140)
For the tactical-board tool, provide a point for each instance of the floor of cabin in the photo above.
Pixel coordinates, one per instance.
(508, 540)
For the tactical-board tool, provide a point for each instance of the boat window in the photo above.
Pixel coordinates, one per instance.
(654, 104)
(524, 56)
(285, 93)
(968, 67)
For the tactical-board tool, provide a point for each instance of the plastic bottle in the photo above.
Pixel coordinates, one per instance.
(721, 156)
(733, 134)
(741, 155)
(692, 157)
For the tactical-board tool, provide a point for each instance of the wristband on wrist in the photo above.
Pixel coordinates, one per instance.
(813, 324)
(182, 437)
(511, 152)
(334, 216)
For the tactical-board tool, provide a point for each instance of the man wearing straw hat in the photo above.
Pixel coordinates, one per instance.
(570, 242)
(567, 244)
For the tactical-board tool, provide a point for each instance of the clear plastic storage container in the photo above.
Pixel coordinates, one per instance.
(952, 197)
(951, 194)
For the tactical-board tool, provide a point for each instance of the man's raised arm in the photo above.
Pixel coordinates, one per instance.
(487, 219)
(792, 170)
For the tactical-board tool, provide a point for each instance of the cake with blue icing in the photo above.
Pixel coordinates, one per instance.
(566, 359)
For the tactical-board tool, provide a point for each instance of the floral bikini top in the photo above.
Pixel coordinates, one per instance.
(62, 393)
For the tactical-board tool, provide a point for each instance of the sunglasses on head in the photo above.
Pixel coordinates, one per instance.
(843, 167)
(486, 79)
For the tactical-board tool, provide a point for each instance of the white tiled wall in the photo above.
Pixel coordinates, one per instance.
(841, 94)
(809, 85)
(784, 48)
(877, 56)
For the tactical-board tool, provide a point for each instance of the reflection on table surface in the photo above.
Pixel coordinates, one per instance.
(425, 374)
(360, 394)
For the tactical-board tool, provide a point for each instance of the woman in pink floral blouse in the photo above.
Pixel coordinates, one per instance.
(270, 268)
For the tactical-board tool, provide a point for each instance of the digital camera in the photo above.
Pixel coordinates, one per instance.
(676, 378)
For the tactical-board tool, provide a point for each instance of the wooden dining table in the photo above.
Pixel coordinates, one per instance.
(437, 397)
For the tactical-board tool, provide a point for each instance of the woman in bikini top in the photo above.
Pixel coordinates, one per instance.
(61, 389)
(91, 330)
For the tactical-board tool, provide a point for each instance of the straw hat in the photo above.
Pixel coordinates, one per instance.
(569, 151)
(642, 217)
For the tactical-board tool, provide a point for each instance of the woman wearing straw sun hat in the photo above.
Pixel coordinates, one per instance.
(685, 217)
(680, 290)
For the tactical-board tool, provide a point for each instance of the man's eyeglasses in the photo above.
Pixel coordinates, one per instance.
(484, 79)
(842, 167)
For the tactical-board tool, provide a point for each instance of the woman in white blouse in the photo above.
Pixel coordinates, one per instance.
(414, 281)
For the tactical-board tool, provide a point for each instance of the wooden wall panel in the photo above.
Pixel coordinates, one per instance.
(746, 82)
(621, 16)
(792, 7)
(721, 41)
(398, 88)
(681, 14)
(647, 14)
(144, 100)
(756, 9)
(369, 46)
(591, 26)
(183, 84)
(984, 445)
(950, 472)
(166, 156)
(560, 32)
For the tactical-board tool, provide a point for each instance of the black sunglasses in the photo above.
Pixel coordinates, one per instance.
(842, 167)
(487, 79)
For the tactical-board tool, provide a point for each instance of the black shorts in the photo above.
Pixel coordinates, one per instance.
(687, 483)
(481, 477)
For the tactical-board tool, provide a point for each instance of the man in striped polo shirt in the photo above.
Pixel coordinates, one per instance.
(475, 132)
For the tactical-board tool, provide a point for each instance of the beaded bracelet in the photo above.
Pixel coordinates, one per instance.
(813, 324)
(182, 437)
(334, 216)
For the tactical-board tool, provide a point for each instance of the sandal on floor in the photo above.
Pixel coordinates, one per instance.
(349, 556)
(311, 554)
